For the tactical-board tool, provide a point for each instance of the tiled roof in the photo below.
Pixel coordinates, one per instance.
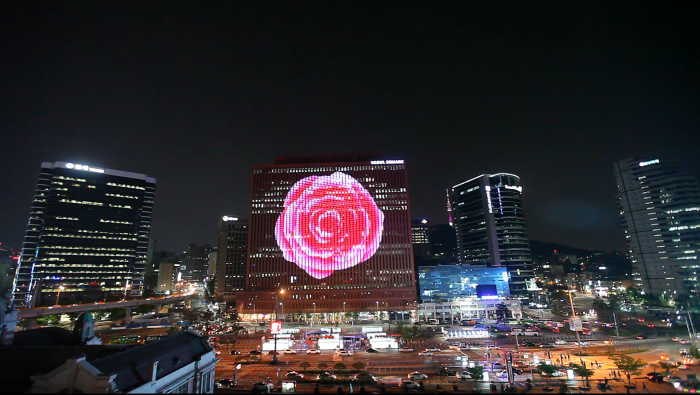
(21, 362)
(172, 353)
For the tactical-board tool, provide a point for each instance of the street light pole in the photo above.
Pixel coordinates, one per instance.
(377, 310)
(573, 315)
(314, 317)
(344, 311)
(60, 288)
(274, 356)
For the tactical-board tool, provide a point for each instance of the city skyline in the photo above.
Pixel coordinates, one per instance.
(553, 93)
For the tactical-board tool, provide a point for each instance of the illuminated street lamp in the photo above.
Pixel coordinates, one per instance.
(254, 315)
(274, 356)
(377, 310)
(60, 288)
(344, 311)
(314, 317)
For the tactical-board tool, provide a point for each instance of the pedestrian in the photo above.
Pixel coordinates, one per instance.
(340, 390)
(644, 385)
(317, 390)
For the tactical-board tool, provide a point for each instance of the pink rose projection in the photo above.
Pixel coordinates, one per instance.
(329, 223)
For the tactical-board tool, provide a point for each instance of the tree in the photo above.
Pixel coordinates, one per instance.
(340, 366)
(583, 372)
(47, 320)
(305, 365)
(476, 373)
(546, 371)
(358, 366)
(173, 330)
(502, 311)
(323, 366)
(627, 364)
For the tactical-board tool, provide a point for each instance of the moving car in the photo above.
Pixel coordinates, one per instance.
(546, 345)
(289, 351)
(425, 353)
(313, 351)
(235, 352)
(364, 376)
(273, 352)
(371, 351)
(498, 365)
(657, 377)
(410, 385)
(406, 349)
(417, 376)
(225, 383)
(325, 375)
(641, 337)
(675, 339)
(682, 341)
(255, 352)
(558, 374)
(650, 325)
(294, 375)
(560, 342)
(432, 349)
(529, 344)
(343, 353)
(664, 357)
(464, 375)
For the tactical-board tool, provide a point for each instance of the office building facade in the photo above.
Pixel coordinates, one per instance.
(88, 233)
(231, 258)
(489, 223)
(334, 232)
(194, 262)
(420, 239)
(659, 207)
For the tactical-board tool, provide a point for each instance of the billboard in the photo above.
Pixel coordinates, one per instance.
(487, 292)
(275, 327)
(575, 324)
(329, 223)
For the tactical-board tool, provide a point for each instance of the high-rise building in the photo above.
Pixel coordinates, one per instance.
(167, 276)
(88, 233)
(153, 271)
(660, 212)
(420, 240)
(490, 225)
(231, 258)
(194, 262)
(334, 232)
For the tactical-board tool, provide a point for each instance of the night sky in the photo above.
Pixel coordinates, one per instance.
(196, 93)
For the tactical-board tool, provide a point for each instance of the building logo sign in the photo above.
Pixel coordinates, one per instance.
(227, 218)
(519, 189)
(84, 168)
(647, 163)
(387, 162)
(329, 223)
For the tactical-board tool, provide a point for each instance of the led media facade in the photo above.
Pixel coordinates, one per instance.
(329, 223)
(333, 232)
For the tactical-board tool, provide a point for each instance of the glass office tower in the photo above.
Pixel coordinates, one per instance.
(88, 235)
(660, 212)
(490, 225)
(231, 258)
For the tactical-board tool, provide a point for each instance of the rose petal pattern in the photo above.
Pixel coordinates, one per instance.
(329, 223)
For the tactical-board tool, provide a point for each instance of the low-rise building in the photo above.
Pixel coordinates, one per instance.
(466, 309)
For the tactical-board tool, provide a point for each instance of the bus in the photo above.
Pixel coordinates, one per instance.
(129, 339)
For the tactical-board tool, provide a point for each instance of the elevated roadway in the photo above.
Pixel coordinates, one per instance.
(31, 314)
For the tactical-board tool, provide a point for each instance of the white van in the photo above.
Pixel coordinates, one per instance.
(433, 321)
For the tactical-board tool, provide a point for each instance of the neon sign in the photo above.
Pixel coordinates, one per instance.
(329, 223)
(647, 163)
